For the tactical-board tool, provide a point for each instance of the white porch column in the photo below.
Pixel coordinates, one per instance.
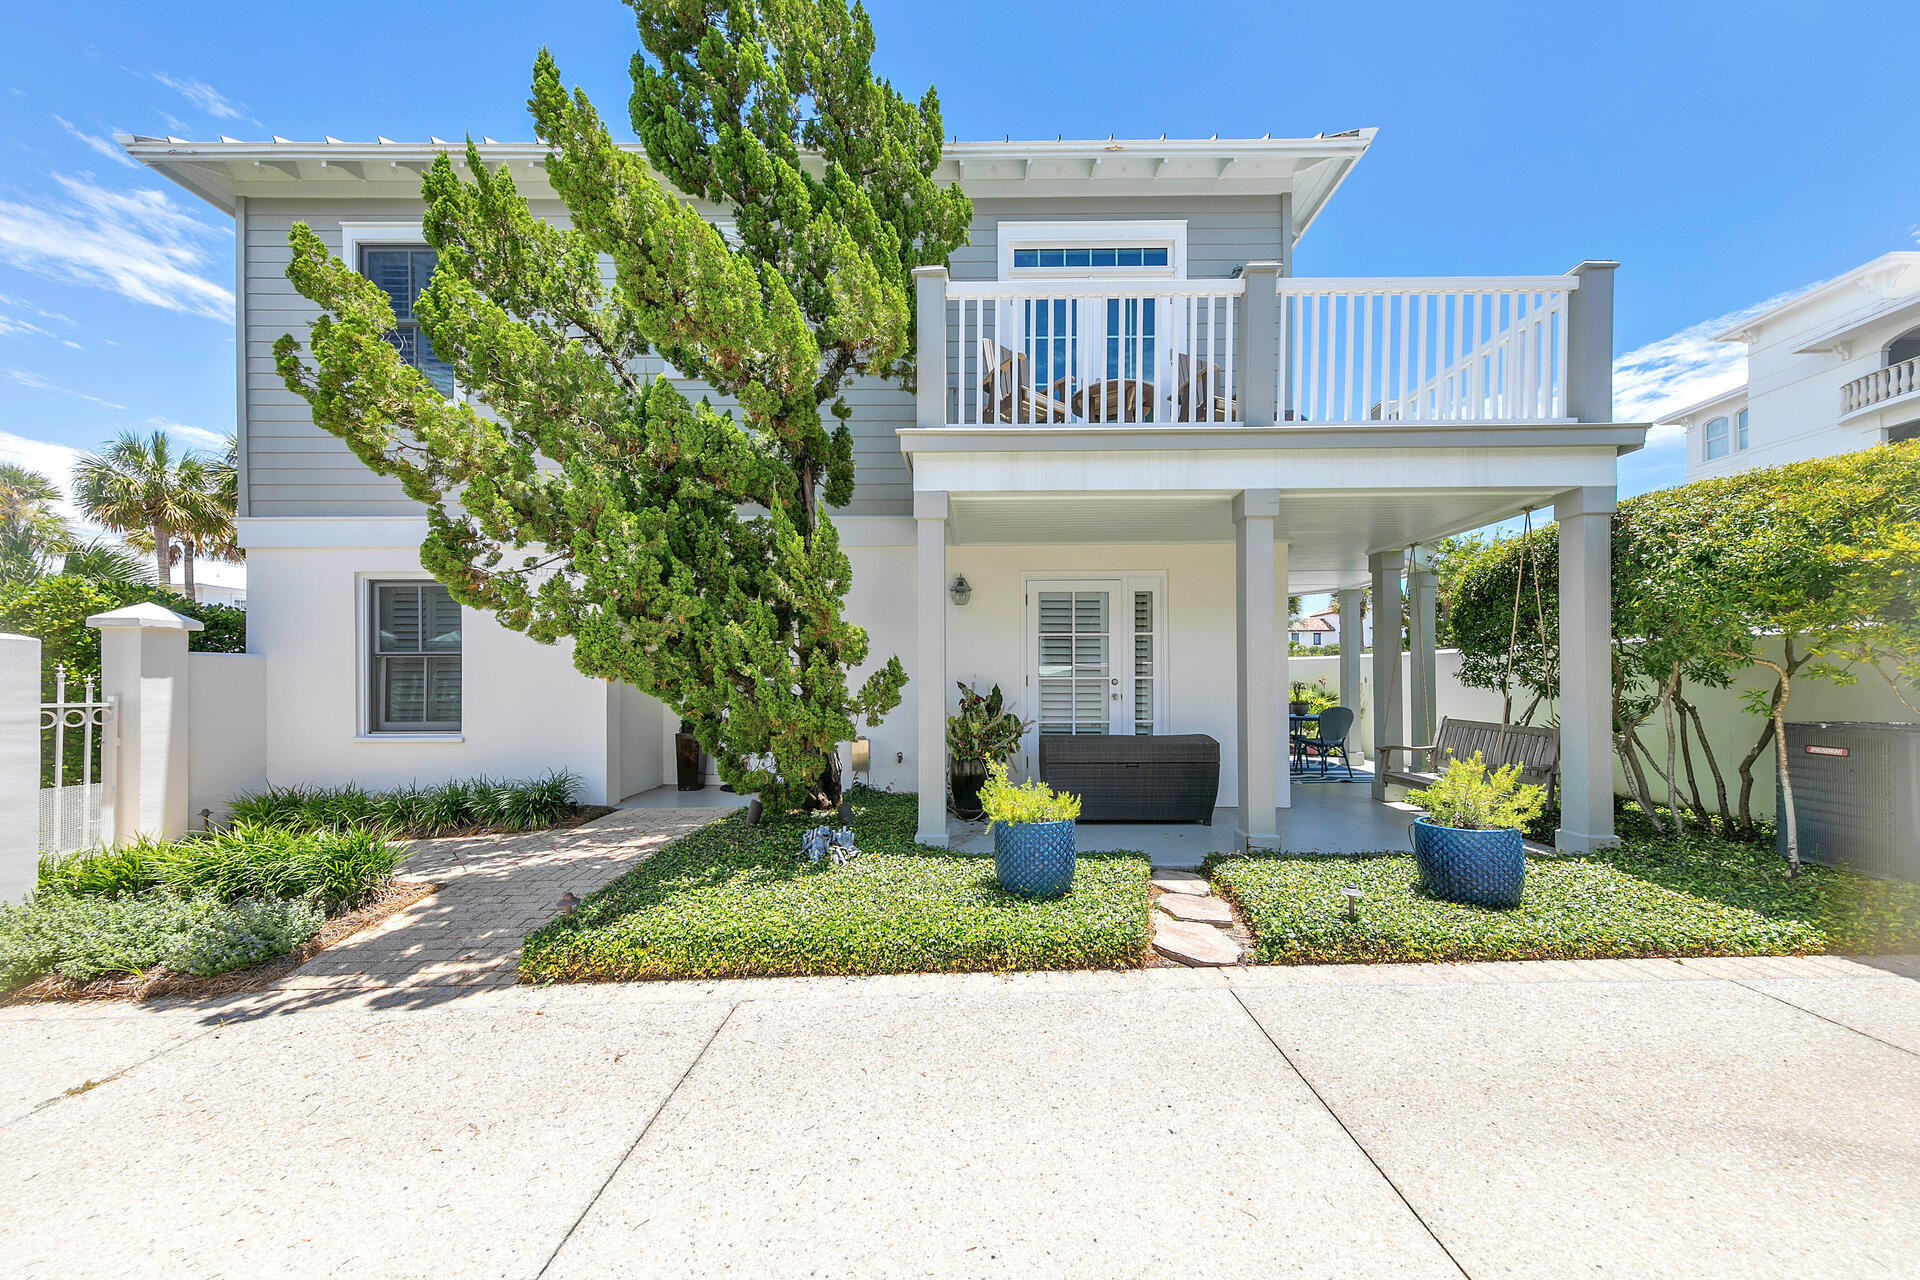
(1389, 727)
(930, 345)
(930, 668)
(19, 765)
(143, 662)
(1586, 669)
(1423, 616)
(1258, 706)
(1353, 639)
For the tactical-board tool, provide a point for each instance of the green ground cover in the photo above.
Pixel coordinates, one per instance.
(1645, 898)
(733, 900)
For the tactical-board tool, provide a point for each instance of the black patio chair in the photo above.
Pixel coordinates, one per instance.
(1328, 739)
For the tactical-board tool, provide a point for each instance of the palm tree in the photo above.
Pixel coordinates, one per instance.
(104, 560)
(32, 530)
(142, 488)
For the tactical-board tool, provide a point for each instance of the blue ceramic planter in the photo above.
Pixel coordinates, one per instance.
(1034, 859)
(1479, 868)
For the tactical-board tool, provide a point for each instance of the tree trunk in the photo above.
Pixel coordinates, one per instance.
(1713, 764)
(1673, 796)
(186, 565)
(162, 545)
(1696, 801)
(1779, 709)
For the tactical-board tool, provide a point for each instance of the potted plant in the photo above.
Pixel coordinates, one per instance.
(1300, 698)
(1468, 844)
(982, 732)
(687, 762)
(1033, 849)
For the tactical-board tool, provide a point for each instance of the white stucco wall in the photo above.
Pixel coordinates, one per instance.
(227, 718)
(524, 707)
(19, 765)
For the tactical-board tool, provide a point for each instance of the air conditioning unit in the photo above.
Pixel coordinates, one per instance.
(1856, 794)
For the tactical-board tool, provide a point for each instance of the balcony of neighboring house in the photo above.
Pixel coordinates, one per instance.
(1894, 384)
(1258, 350)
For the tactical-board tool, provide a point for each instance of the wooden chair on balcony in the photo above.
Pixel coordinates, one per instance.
(1005, 384)
(1197, 398)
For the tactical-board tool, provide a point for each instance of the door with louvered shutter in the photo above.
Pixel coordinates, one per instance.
(1093, 658)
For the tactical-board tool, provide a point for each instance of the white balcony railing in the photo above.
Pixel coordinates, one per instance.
(1473, 350)
(1880, 386)
(1080, 351)
(1319, 351)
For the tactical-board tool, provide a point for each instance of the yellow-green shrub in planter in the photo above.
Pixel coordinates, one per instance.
(1468, 845)
(1033, 849)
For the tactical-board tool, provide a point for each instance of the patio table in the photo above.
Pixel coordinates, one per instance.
(1296, 726)
(1113, 400)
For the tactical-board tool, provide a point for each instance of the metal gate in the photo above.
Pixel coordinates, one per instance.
(79, 740)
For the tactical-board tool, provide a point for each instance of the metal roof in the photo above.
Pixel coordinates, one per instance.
(1311, 169)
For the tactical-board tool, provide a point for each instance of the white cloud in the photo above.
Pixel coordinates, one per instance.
(35, 382)
(14, 323)
(1685, 368)
(138, 244)
(102, 146)
(198, 437)
(204, 96)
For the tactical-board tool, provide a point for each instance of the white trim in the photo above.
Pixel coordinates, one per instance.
(1145, 234)
(364, 730)
(325, 533)
(355, 234)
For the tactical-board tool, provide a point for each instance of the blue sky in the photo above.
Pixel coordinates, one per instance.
(1724, 153)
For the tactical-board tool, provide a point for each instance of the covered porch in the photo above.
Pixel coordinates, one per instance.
(1334, 816)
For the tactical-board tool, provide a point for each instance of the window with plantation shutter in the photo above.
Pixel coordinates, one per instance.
(414, 667)
(1096, 656)
(402, 272)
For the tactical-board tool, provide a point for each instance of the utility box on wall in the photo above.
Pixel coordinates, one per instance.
(1856, 795)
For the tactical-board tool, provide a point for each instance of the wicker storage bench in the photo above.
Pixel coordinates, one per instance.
(1170, 778)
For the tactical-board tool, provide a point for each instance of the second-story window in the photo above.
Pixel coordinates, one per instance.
(1740, 430)
(1063, 258)
(402, 272)
(1717, 439)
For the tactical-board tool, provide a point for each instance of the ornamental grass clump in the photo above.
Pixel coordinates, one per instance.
(413, 810)
(1031, 801)
(1470, 797)
(338, 871)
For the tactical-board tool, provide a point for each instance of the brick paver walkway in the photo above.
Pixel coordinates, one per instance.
(497, 889)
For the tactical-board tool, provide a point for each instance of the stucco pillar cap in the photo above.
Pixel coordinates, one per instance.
(145, 616)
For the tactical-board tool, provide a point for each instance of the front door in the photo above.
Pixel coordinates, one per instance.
(1093, 657)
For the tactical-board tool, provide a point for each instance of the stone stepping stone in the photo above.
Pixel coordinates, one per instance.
(1187, 906)
(1194, 945)
(1180, 882)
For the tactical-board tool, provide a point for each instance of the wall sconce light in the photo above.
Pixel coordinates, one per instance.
(961, 590)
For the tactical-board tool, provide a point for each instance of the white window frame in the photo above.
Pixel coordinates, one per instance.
(1129, 581)
(1169, 235)
(1742, 427)
(367, 729)
(1706, 437)
(355, 235)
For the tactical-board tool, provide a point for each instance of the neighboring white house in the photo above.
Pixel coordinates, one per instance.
(1228, 432)
(1831, 370)
(1316, 629)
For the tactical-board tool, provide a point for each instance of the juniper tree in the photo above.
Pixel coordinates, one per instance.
(683, 547)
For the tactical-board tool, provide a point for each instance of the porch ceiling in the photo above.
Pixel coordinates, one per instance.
(1329, 534)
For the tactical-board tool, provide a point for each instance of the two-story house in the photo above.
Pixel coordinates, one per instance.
(1830, 370)
(1136, 430)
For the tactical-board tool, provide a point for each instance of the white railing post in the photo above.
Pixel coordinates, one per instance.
(930, 346)
(1588, 344)
(19, 765)
(1259, 377)
(143, 665)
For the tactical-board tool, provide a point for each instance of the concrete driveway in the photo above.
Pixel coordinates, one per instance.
(1707, 1118)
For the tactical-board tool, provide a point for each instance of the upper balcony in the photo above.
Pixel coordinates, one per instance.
(1898, 381)
(1260, 350)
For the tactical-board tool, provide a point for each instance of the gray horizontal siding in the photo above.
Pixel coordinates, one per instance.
(295, 469)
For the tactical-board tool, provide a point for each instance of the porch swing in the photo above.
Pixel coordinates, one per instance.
(1535, 748)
